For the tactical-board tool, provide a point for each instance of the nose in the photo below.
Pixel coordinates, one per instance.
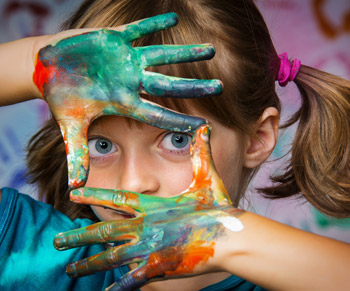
(138, 173)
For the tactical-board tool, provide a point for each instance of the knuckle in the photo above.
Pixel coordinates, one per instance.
(104, 232)
(111, 258)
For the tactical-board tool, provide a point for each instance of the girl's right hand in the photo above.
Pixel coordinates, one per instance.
(169, 237)
(99, 73)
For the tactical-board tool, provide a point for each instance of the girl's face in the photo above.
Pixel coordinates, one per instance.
(129, 155)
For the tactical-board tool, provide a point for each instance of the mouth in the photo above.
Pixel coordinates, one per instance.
(124, 214)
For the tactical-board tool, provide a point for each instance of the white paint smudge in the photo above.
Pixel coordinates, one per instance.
(232, 223)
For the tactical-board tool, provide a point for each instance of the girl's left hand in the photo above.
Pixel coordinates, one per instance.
(169, 237)
(95, 73)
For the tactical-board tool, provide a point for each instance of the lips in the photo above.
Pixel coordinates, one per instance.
(125, 215)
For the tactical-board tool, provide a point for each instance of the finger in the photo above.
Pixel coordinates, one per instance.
(149, 25)
(166, 86)
(129, 202)
(75, 137)
(107, 260)
(102, 232)
(161, 117)
(159, 264)
(205, 175)
(133, 280)
(172, 54)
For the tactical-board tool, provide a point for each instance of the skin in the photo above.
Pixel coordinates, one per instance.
(99, 73)
(143, 159)
(203, 211)
(169, 237)
(265, 249)
(84, 77)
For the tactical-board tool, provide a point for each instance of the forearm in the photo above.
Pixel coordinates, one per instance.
(16, 70)
(278, 257)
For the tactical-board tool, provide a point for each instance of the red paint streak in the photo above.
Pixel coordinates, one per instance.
(41, 75)
(73, 184)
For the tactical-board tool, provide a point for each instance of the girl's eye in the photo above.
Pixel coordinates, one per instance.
(100, 147)
(176, 143)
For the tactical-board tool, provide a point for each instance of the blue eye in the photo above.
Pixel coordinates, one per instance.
(175, 142)
(179, 140)
(100, 147)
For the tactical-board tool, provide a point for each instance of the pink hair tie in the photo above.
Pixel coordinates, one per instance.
(287, 73)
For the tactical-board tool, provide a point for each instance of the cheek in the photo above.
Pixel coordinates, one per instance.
(228, 163)
(100, 177)
(229, 171)
(174, 178)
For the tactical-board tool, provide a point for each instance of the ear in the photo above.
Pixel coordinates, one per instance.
(260, 146)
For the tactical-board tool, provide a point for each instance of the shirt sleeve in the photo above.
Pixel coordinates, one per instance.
(28, 259)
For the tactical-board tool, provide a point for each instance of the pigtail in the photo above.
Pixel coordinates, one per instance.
(319, 168)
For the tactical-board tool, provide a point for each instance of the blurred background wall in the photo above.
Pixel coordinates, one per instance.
(315, 31)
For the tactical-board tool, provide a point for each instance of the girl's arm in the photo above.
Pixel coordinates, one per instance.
(199, 232)
(16, 70)
(279, 257)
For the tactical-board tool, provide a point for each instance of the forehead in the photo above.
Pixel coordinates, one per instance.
(112, 124)
(186, 106)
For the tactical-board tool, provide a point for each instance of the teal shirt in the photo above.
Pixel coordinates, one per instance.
(28, 260)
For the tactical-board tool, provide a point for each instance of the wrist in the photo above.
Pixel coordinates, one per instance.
(17, 59)
(230, 243)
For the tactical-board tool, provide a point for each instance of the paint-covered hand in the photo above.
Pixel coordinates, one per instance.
(99, 73)
(169, 237)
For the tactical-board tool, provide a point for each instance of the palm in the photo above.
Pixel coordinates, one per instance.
(100, 73)
(168, 237)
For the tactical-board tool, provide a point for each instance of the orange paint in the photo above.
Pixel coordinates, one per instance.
(205, 199)
(82, 199)
(197, 253)
(76, 183)
(78, 112)
(179, 260)
(201, 172)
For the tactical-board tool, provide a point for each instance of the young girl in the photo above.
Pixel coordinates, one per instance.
(139, 158)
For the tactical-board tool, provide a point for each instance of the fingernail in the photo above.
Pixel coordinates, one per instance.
(71, 270)
(60, 242)
(216, 87)
(76, 193)
(205, 131)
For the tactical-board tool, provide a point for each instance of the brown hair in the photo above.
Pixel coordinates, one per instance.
(319, 168)
(246, 62)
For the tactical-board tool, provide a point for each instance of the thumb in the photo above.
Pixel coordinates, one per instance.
(75, 138)
(204, 171)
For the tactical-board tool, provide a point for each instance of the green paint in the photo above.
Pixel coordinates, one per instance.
(168, 236)
(100, 73)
